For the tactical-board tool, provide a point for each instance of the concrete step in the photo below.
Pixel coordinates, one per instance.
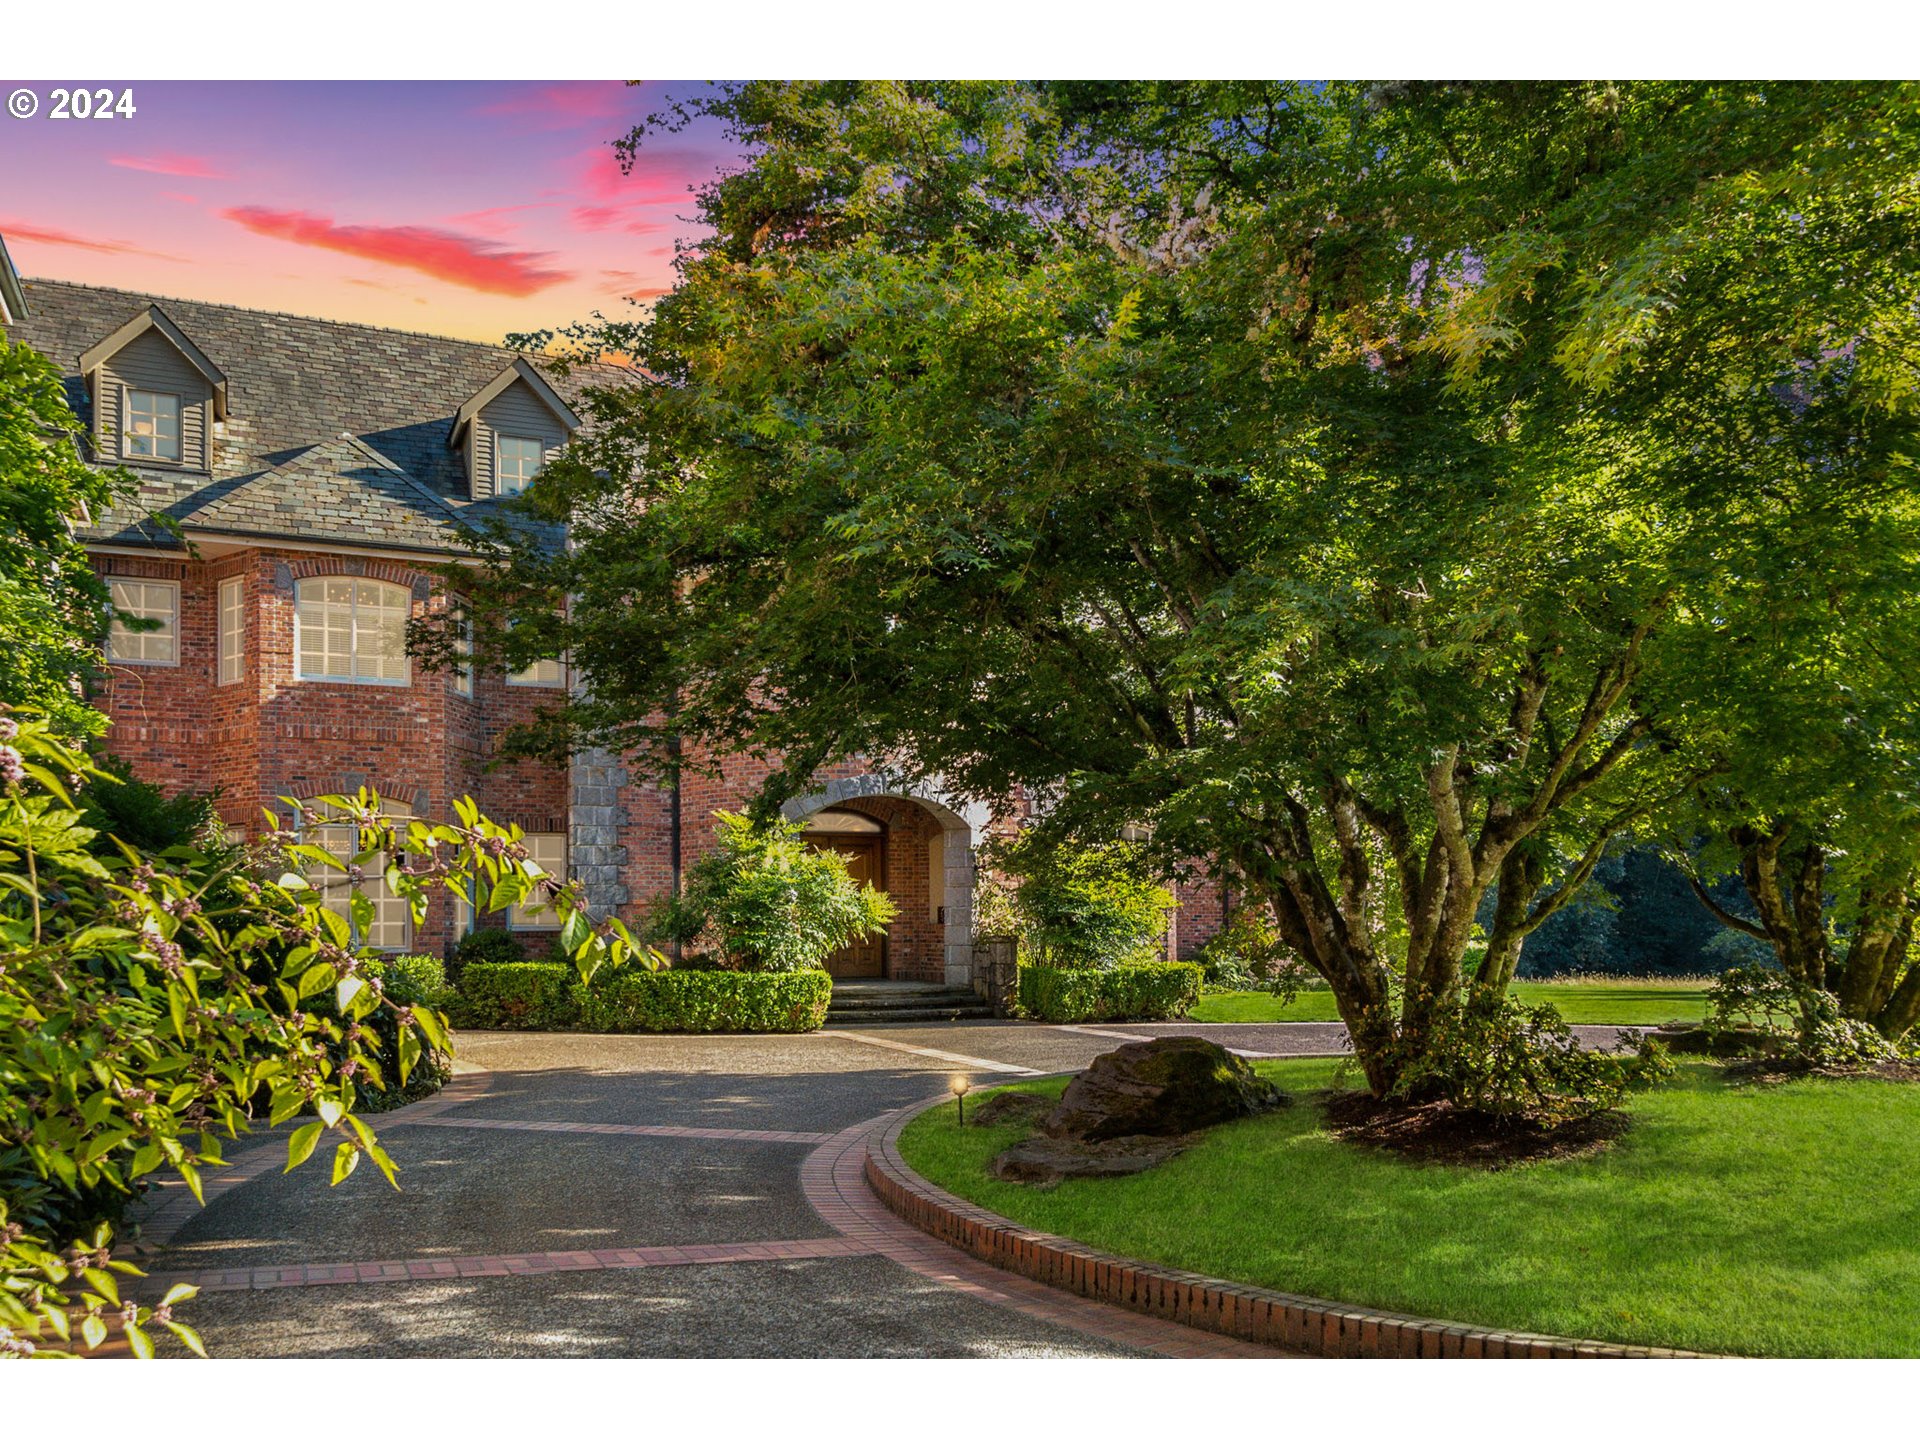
(916, 1016)
(892, 1002)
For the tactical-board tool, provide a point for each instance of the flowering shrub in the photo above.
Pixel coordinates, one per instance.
(1809, 1018)
(153, 1005)
(770, 901)
(1516, 1060)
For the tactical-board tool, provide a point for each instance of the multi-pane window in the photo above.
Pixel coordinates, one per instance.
(541, 672)
(352, 629)
(463, 647)
(549, 852)
(149, 600)
(233, 629)
(392, 924)
(516, 461)
(153, 426)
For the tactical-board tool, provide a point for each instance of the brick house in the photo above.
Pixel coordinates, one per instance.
(312, 476)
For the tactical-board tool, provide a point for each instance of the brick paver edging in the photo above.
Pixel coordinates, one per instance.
(1246, 1312)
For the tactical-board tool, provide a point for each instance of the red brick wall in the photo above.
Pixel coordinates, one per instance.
(1201, 914)
(271, 735)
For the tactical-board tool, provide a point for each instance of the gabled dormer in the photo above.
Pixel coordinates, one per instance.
(13, 298)
(509, 430)
(156, 396)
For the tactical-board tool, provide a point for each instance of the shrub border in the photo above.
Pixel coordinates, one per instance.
(1246, 1312)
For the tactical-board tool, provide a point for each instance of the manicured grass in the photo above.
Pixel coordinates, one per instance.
(1770, 1220)
(1582, 1002)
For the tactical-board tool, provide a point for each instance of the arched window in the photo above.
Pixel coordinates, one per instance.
(350, 629)
(392, 926)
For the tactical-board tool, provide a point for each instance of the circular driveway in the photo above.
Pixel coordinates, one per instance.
(636, 1195)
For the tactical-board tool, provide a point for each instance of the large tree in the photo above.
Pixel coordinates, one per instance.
(53, 608)
(1297, 469)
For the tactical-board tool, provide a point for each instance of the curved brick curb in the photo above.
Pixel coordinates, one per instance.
(1246, 1312)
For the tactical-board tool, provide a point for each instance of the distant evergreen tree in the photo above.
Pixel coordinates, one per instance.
(1638, 917)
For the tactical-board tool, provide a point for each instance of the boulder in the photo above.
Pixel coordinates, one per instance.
(1004, 1105)
(1044, 1161)
(1172, 1085)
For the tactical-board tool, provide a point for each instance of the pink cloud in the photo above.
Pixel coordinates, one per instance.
(191, 167)
(444, 254)
(16, 230)
(663, 179)
(497, 219)
(563, 106)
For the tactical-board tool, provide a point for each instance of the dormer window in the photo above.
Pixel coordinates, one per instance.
(157, 398)
(508, 428)
(518, 459)
(153, 426)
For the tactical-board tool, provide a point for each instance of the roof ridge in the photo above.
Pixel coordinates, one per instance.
(151, 296)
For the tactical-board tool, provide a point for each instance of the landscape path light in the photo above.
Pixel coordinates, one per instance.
(959, 1084)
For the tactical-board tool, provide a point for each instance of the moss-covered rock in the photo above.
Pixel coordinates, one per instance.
(1172, 1085)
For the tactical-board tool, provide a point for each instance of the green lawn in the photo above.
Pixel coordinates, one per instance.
(1582, 1002)
(1774, 1220)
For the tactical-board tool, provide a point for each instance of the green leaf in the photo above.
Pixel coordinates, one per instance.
(385, 1162)
(176, 1293)
(300, 1144)
(93, 1330)
(345, 1158)
(137, 1338)
(187, 1336)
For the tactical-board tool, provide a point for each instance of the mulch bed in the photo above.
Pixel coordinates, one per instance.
(1775, 1069)
(1439, 1133)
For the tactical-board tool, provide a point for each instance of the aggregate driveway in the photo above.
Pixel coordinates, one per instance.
(582, 1195)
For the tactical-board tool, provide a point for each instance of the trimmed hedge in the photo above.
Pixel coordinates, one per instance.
(537, 995)
(1153, 990)
(527, 995)
(699, 1002)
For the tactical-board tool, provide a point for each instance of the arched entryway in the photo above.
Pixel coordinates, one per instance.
(919, 849)
(861, 840)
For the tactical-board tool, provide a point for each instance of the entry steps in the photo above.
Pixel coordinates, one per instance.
(902, 1002)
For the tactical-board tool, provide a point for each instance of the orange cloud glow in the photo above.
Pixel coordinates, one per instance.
(192, 167)
(19, 230)
(445, 255)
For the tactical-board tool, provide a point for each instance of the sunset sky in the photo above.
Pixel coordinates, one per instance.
(463, 208)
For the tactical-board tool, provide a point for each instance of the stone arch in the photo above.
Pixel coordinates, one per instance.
(963, 826)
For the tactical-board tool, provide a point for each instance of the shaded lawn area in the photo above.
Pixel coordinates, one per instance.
(1582, 1002)
(1766, 1220)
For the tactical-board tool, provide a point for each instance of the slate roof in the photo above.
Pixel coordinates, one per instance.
(336, 432)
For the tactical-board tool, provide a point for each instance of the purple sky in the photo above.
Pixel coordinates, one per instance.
(464, 208)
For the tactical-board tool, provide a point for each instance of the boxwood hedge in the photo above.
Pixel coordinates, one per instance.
(538, 995)
(1152, 990)
(702, 1001)
(523, 995)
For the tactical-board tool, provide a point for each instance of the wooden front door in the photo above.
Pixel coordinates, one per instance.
(864, 959)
